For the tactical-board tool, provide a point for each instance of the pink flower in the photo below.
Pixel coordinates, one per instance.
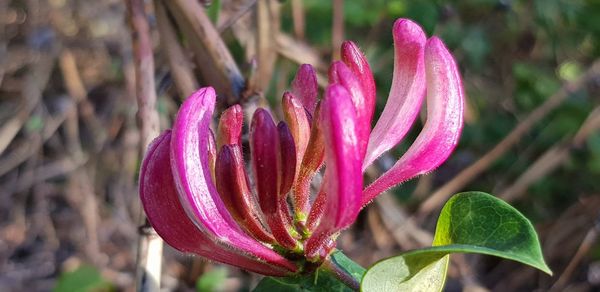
(202, 199)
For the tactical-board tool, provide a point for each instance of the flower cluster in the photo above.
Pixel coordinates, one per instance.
(202, 199)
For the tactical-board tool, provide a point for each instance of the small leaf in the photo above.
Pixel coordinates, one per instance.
(214, 10)
(321, 280)
(472, 222)
(476, 222)
(352, 268)
(211, 280)
(412, 271)
(84, 278)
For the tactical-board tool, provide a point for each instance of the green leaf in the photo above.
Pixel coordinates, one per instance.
(211, 280)
(472, 222)
(214, 10)
(348, 265)
(321, 280)
(411, 271)
(475, 222)
(83, 279)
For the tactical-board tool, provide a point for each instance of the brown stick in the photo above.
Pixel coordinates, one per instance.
(588, 242)
(35, 82)
(552, 158)
(267, 24)
(185, 81)
(337, 34)
(474, 170)
(216, 65)
(298, 18)
(149, 258)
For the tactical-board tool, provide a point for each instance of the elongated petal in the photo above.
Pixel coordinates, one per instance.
(288, 158)
(212, 154)
(297, 120)
(340, 74)
(344, 185)
(318, 207)
(311, 162)
(233, 188)
(230, 126)
(443, 126)
(196, 189)
(305, 87)
(264, 146)
(161, 203)
(406, 94)
(357, 63)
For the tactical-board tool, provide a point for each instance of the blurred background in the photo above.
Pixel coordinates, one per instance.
(70, 145)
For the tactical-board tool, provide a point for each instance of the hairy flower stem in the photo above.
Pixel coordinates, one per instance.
(341, 273)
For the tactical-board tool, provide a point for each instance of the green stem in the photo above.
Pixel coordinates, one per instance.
(333, 265)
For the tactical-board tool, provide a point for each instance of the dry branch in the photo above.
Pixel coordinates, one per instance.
(180, 65)
(215, 63)
(474, 170)
(150, 245)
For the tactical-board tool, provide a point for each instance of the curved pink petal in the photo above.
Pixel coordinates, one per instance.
(265, 149)
(229, 131)
(297, 120)
(196, 189)
(288, 159)
(445, 99)
(161, 203)
(406, 94)
(311, 162)
(357, 63)
(343, 162)
(232, 185)
(340, 73)
(305, 87)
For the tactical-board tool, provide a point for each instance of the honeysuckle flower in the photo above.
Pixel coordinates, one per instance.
(202, 198)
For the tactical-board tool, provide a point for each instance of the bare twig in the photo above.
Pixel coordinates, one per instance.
(216, 65)
(150, 246)
(33, 144)
(299, 52)
(238, 12)
(3, 39)
(185, 81)
(267, 24)
(34, 84)
(474, 170)
(552, 158)
(588, 242)
(337, 34)
(298, 18)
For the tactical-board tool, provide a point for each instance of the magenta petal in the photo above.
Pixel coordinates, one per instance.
(159, 198)
(357, 63)
(305, 87)
(443, 126)
(342, 154)
(232, 185)
(288, 159)
(340, 74)
(265, 149)
(406, 94)
(230, 126)
(195, 186)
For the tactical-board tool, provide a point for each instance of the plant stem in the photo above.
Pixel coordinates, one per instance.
(341, 273)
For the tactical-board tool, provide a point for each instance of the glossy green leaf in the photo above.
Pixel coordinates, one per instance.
(476, 222)
(472, 222)
(321, 280)
(411, 271)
